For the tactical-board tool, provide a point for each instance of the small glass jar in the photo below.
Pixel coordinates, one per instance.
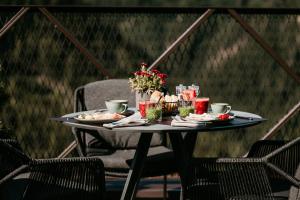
(154, 112)
(180, 88)
(185, 108)
(194, 87)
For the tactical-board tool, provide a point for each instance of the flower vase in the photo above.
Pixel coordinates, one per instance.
(140, 96)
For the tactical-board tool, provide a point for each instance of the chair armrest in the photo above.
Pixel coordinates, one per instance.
(79, 178)
(10, 157)
(243, 177)
(264, 147)
(227, 178)
(14, 143)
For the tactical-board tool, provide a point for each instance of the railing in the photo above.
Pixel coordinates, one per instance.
(247, 57)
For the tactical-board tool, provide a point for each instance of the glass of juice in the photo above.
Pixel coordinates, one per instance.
(201, 105)
(143, 105)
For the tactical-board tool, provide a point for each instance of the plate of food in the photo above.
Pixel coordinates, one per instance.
(98, 117)
(209, 117)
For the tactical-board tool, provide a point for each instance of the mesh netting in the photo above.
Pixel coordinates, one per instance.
(41, 68)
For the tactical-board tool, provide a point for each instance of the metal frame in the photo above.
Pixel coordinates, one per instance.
(13, 20)
(182, 37)
(207, 12)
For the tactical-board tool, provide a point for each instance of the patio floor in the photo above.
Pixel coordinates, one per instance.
(149, 188)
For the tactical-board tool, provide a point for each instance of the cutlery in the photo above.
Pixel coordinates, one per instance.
(243, 117)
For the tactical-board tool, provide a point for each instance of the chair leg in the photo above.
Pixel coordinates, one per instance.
(68, 150)
(165, 194)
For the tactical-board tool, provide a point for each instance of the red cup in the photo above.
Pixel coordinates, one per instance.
(201, 105)
(143, 105)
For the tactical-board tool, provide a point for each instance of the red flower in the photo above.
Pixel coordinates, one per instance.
(155, 71)
(163, 82)
(162, 76)
(138, 73)
(145, 74)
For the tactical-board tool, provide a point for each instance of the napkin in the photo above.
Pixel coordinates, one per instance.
(178, 121)
(133, 120)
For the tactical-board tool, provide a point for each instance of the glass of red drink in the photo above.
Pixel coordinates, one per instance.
(201, 105)
(143, 105)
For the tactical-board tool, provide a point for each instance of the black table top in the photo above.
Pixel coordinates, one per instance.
(241, 120)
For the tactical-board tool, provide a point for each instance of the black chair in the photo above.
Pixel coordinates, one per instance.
(274, 176)
(11, 156)
(117, 150)
(72, 178)
(5, 134)
(262, 148)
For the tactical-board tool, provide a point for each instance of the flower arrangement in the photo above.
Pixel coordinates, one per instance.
(147, 81)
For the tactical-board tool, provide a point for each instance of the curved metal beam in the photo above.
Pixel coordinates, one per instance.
(77, 44)
(264, 45)
(182, 37)
(13, 20)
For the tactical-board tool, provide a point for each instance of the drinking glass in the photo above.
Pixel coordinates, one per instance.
(201, 105)
(154, 112)
(179, 89)
(143, 107)
(194, 87)
(185, 108)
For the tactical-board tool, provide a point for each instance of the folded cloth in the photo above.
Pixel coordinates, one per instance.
(178, 121)
(133, 120)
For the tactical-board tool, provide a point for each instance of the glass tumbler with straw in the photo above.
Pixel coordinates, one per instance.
(179, 89)
(195, 88)
(185, 108)
(154, 111)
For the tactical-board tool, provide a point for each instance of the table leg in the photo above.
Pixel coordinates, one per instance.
(136, 167)
(183, 148)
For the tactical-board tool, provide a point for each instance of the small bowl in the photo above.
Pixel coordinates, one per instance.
(169, 108)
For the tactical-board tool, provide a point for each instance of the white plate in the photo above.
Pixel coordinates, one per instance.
(215, 118)
(94, 121)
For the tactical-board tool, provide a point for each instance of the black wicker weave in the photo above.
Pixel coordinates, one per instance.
(72, 178)
(11, 157)
(5, 134)
(264, 147)
(246, 178)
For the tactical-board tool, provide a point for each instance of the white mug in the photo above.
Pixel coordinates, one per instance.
(223, 108)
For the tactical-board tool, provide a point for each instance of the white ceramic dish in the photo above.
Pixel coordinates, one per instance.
(97, 118)
(210, 118)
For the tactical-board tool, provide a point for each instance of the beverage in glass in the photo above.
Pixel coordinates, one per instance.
(154, 112)
(195, 88)
(201, 105)
(185, 108)
(180, 88)
(143, 106)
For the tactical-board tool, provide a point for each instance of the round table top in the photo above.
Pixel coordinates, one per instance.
(241, 120)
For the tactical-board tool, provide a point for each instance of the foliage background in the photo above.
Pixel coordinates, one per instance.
(41, 68)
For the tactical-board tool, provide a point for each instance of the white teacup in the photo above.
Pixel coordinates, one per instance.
(116, 106)
(223, 108)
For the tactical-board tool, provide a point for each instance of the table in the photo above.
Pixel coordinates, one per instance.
(183, 146)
